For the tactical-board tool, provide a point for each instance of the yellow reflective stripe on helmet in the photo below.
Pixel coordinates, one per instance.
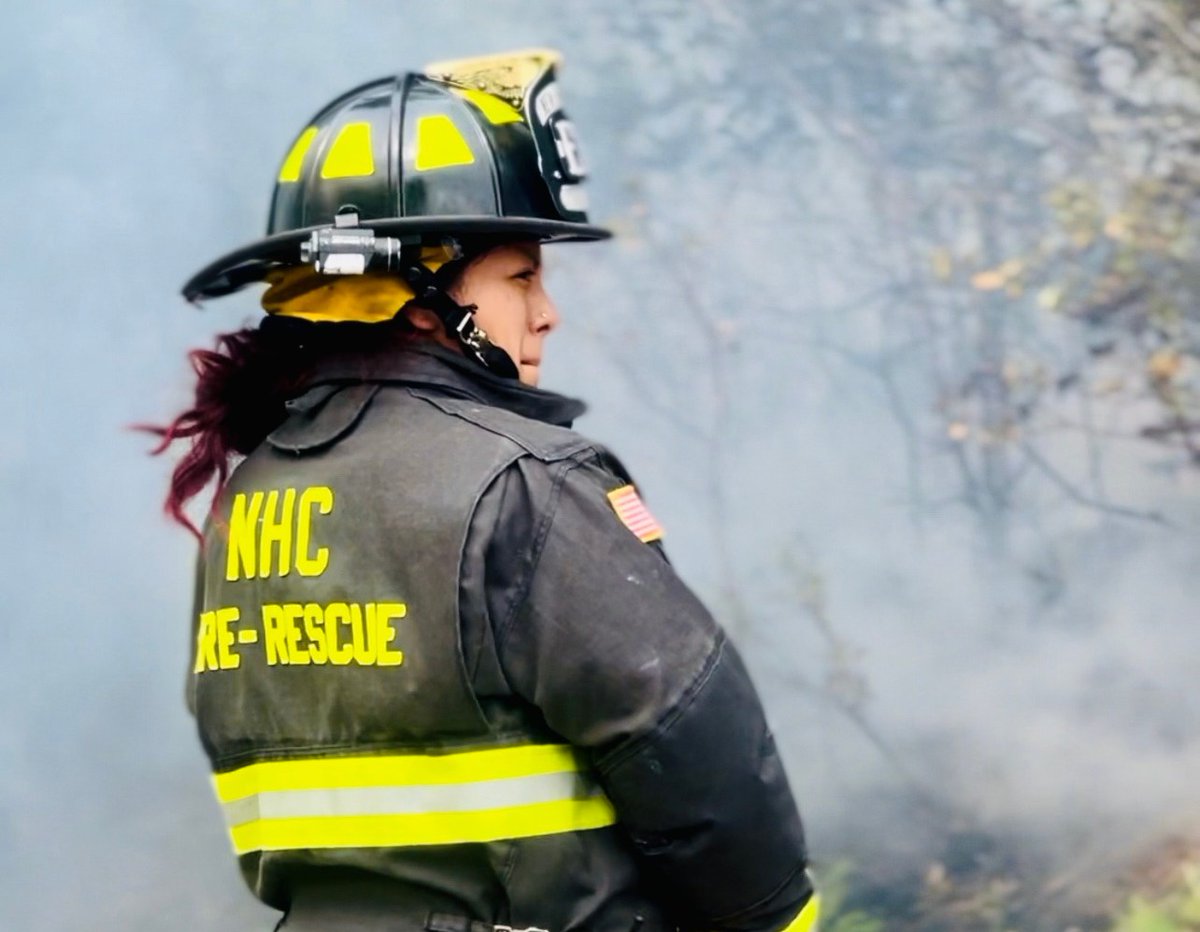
(496, 110)
(350, 155)
(440, 144)
(428, 828)
(808, 917)
(295, 157)
(396, 770)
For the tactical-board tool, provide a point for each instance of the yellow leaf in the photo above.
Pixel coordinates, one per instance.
(1117, 227)
(999, 277)
(942, 263)
(987, 281)
(1164, 365)
(1050, 297)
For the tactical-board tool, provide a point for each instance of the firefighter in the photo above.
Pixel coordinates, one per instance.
(446, 678)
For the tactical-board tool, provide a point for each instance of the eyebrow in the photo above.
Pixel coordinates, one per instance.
(531, 252)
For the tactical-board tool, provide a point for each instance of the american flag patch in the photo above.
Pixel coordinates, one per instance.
(634, 515)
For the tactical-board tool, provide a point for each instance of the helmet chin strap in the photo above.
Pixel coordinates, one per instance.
(347, 249)
(457, 319)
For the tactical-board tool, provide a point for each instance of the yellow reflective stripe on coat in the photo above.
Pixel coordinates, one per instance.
(410, 799)
(806, 920)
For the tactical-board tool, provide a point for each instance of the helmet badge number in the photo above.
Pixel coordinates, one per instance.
(548, 109)
(566, 141)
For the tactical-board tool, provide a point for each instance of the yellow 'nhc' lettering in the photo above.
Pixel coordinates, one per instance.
(269, 532)
(339, 633)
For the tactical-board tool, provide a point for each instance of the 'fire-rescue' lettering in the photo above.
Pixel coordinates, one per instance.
(339, 633)
(294, 633)
(270, 532)
(215, 638)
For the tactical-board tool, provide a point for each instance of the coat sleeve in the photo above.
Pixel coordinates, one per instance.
(594, 627)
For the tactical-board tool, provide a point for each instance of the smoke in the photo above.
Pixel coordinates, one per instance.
(754, 346)
(936, 666)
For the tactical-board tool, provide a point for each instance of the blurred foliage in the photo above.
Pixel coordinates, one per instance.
(950, 900)
(1012, 185)
(835, 881)
(1176, 909)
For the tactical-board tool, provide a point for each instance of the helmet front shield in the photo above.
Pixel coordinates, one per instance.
(526, 82)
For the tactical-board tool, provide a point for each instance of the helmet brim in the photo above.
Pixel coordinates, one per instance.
(252, 262)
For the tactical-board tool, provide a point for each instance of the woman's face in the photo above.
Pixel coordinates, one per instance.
(513, 306)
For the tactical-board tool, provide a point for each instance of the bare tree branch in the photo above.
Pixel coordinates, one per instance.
(1077, 495)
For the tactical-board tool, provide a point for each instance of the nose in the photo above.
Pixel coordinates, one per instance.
(545, 314)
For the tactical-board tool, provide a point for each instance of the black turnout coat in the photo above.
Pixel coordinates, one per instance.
(448, 680)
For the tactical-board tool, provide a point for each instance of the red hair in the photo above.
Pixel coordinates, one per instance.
(241, 388)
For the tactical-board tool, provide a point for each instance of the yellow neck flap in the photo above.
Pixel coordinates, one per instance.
(370, 298)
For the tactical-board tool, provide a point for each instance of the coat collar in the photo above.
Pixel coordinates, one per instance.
(433, 366)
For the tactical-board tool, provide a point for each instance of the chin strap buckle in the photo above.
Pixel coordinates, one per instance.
(347, 249)
(457, 319)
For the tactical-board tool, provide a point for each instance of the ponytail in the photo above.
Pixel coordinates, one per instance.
(241, 389)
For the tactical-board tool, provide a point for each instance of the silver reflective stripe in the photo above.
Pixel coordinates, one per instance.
(409, 800)
(402, 800)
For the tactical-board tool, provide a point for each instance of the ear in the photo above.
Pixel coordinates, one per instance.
(423, 319)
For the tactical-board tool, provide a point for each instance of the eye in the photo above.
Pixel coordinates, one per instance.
(526, 274)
